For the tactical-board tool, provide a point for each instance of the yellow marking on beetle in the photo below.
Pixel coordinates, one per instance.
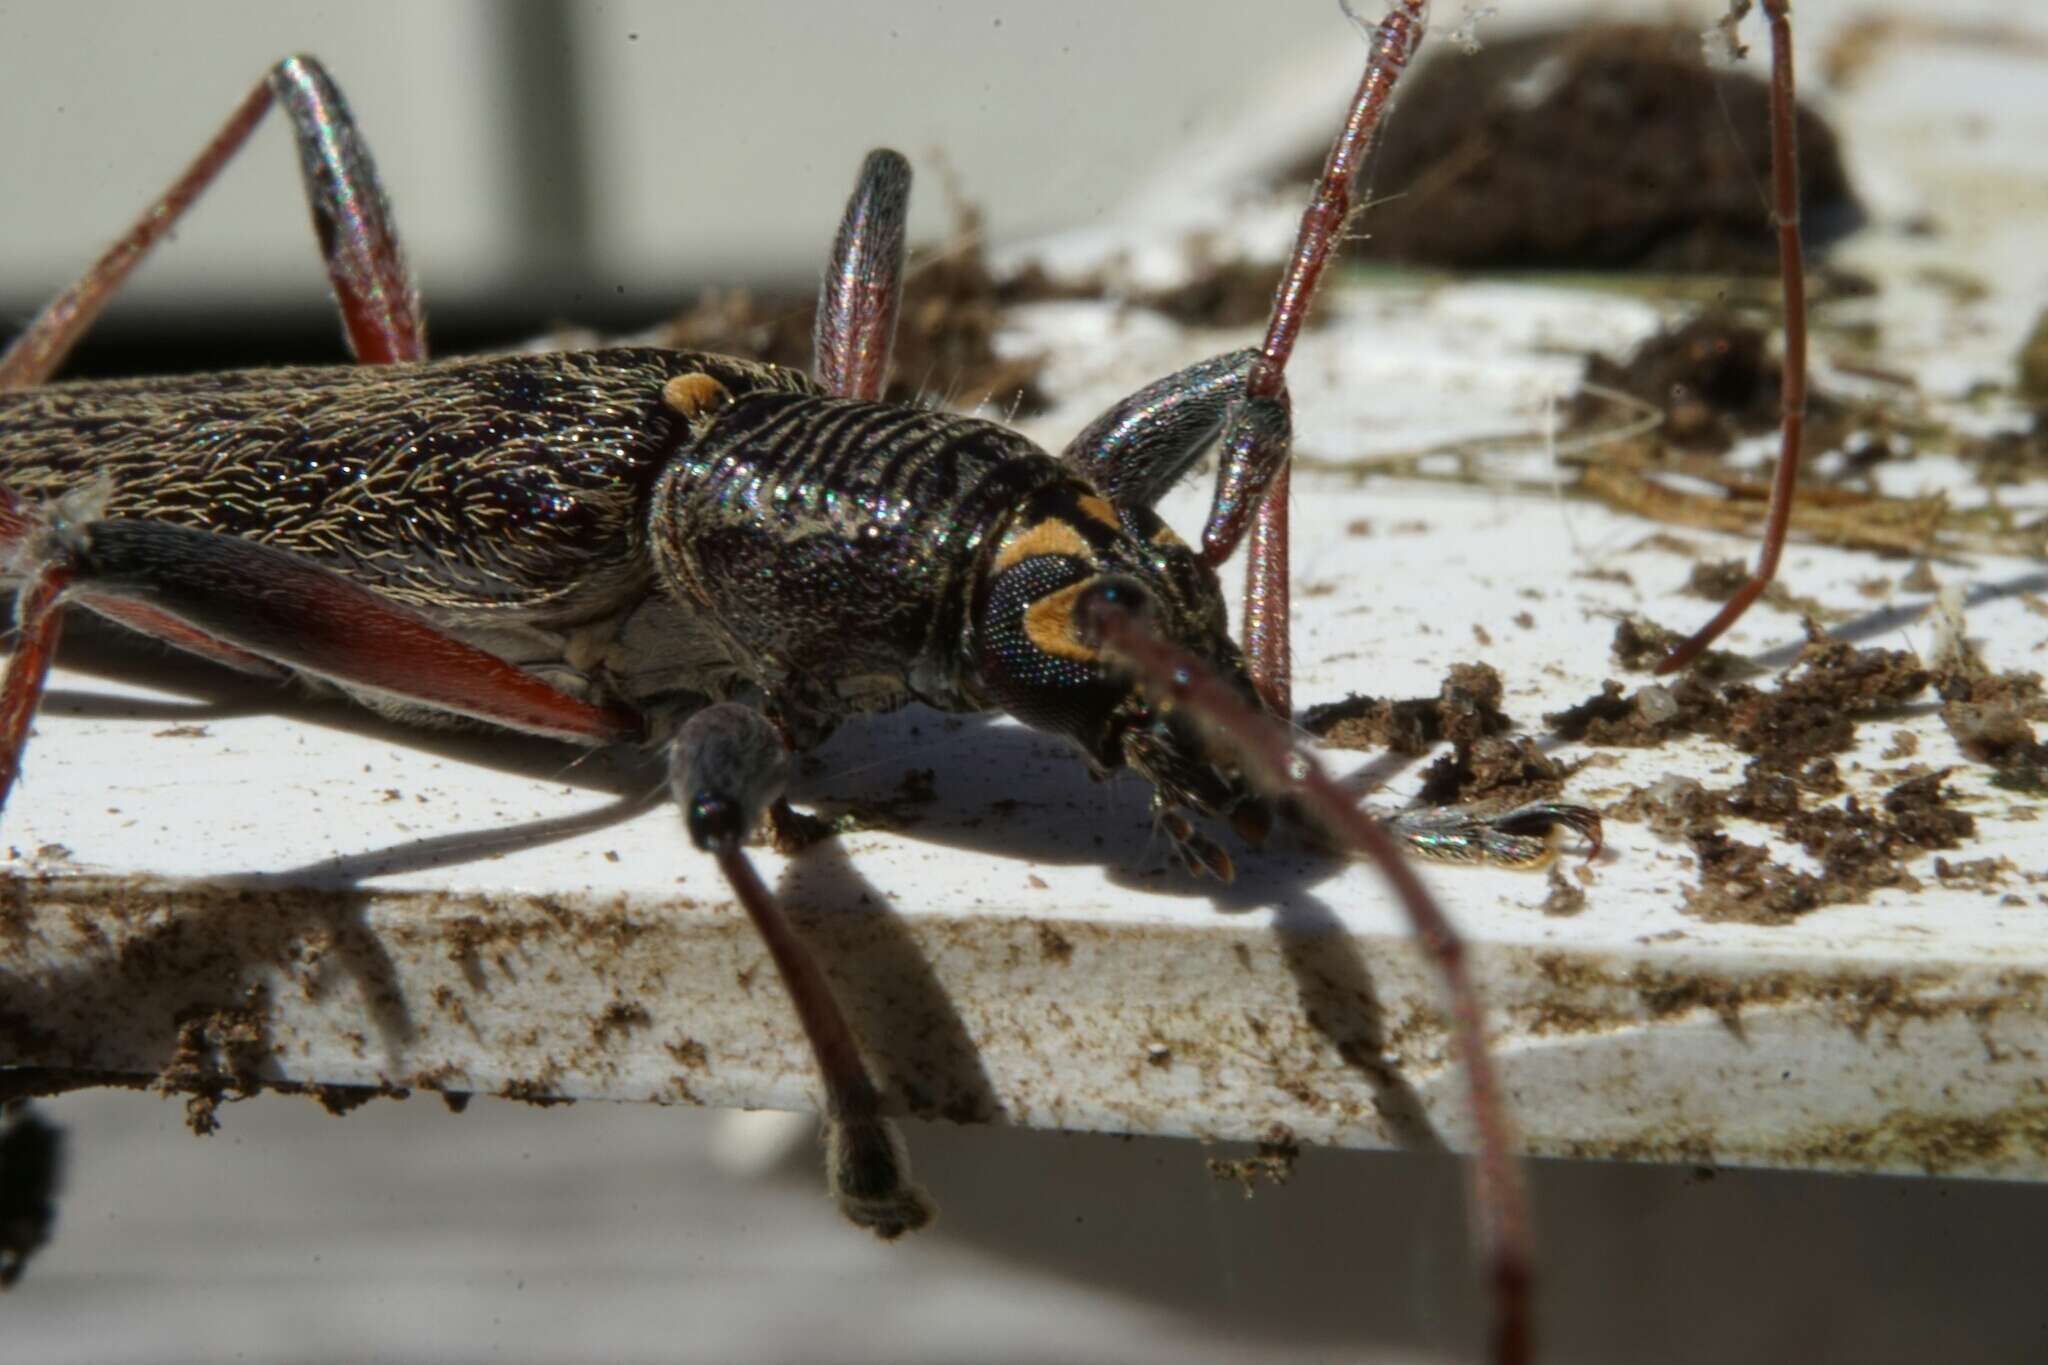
(1099, 509)
(695, 395)
(1049, 624)
(1048, 537)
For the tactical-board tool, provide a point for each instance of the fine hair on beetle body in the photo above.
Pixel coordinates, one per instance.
(729, 559)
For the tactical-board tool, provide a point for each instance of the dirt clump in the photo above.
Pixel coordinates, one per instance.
(1493, 769)
(1814, 708)
(1859, 850)
(1484, 765)
(2013, 456)
(1811, 713)
(1640, 645)
(1224, 293)
(1466, 708)
(1592, 146)
(1740, 881)
(1991, 714)
(1711, 379)
(1792, 783)
(219, 1051)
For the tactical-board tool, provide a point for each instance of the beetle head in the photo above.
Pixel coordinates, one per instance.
(1031, 659)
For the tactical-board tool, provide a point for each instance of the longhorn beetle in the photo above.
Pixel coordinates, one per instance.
(728, 558)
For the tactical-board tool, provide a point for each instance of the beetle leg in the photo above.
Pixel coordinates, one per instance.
(857, 304)
(39, 620)
(1141, 447)
(1517, 838)
(1251, 478)
(728, 768)
(239, 600)
(380, 308)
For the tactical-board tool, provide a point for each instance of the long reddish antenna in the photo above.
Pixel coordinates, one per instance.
(1792, 280)
(1266, 752)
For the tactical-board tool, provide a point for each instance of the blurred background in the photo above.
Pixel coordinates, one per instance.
(596, 165)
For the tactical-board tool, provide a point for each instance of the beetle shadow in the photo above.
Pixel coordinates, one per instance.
(1892, 618)
(1002, 792)
(911, 1033)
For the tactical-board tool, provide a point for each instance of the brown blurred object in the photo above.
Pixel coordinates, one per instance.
(1591, 147)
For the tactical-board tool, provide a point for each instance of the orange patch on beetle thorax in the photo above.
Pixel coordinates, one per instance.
(1048, 537)
(695, 395)
(1099, 509)
(1049, 624)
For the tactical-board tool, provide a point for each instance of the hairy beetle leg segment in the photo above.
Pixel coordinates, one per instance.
(1519, 838)
(379, 303)
(855, 328)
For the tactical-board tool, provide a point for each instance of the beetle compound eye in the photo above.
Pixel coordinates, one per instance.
(1033, 662)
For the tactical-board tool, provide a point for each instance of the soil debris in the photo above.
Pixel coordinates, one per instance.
(219, 1051)
(1741, 881)
(1711, 378)
(1991, 714)
(2033, 362)
(1278, 1153)
(1810, 714)
(1859, 850)
(1466, 708)
(1640, 645)
(1484, 765)
(1223, 293)
(1792, 783)
(2009, 457)
(1566, 896)
(1493, 769)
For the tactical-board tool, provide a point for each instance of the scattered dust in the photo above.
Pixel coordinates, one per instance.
(1566, 896)
(1274, 1163)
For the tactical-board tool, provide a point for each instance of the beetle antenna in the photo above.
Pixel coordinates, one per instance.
(1267, 753)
